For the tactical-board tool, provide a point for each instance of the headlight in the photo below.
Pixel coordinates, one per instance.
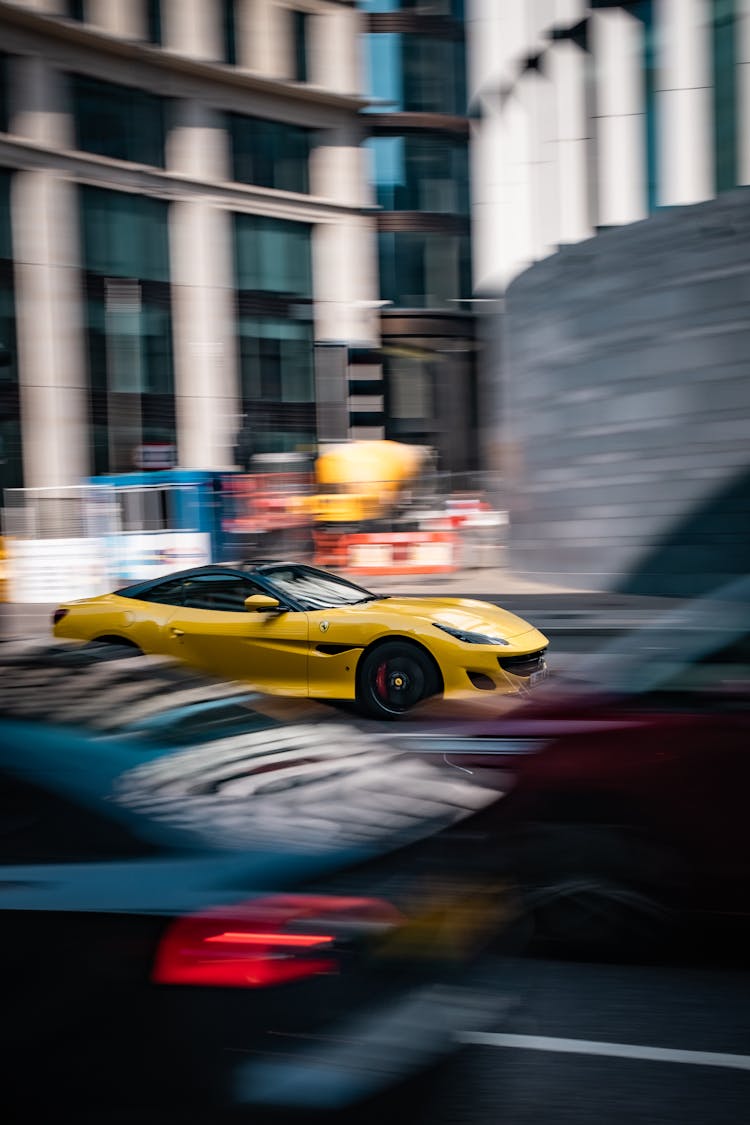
(471, 638)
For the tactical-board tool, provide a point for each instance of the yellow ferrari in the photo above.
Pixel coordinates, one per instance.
(295, 630)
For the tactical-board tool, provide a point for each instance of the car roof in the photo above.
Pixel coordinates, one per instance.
(241, 570)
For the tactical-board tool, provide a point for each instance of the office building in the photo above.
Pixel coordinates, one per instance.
(185, 222)
(612, 226)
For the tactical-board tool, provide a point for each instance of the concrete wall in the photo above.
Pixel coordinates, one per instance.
(628, 404)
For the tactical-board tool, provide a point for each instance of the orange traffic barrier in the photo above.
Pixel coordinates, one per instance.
(388, 552)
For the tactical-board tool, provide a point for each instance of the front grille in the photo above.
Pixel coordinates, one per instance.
(523, 665)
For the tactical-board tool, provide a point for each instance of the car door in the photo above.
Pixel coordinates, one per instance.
(214, 631)
(151, 612)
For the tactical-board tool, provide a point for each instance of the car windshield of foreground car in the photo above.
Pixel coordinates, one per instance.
(315, 589)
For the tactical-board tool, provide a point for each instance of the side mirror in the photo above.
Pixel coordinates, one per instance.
(261, 603)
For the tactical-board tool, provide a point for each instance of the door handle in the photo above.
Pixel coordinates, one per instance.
(177, 632)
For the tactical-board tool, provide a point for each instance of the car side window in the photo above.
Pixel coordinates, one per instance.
(221, 592)
(37, 826)
(165, 593)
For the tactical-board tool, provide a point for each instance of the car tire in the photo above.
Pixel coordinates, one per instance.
(394, 677)
(593, 891)
(126, 647)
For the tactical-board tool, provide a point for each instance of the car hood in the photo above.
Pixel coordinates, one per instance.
(460, 613)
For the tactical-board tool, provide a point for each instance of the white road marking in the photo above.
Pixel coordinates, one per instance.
(613, 1050)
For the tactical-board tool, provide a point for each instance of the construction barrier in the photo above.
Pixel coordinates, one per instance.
(388, 552)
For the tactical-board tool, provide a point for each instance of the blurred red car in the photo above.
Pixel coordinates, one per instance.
(625, 809)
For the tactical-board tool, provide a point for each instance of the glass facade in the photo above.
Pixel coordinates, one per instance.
(11, 466)
(229, 31)
(118, 121)
(274, 323)
(129, 324)
(724, 37)
(424, 270)
(270, 153)
(153, 20)
(454, 8)
(417, 73)
(75, 9)
(421, 172)
(300, 25)
(3, 93)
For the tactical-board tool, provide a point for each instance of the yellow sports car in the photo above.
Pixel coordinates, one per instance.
(296, 630)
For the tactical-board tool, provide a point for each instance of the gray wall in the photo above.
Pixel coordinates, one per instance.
(627, 420)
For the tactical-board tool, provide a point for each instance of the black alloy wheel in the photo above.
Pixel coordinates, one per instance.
(394, 677)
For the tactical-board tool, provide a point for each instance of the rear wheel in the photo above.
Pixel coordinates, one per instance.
(114, 642)
(394, 677)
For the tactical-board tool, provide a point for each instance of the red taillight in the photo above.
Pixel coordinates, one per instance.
(265, 942)
(58, 615)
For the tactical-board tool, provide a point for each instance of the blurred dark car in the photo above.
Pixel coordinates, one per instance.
(205, 904)
(624, 821)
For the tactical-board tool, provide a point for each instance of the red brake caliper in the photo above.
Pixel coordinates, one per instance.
(380, 681)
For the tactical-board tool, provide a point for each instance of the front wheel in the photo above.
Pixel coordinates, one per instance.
(393, 678)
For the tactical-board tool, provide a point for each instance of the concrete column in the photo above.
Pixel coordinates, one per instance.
(683, 82)
(203, 308)
(345, 280)
(344, 249)
(536, 93)
(567, 68)
(517, 193)
(38, 102)
(198, 144)
(743, 91)
(487, 199)
(265, 44)
(204, 332)
(123, 18)
(46, 240)
(49, 317)
(193, 28)
(334, 51)
(618, 55)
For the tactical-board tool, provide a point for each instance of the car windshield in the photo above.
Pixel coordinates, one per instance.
(315, 589)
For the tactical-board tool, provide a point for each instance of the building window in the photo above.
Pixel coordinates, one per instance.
(118, 121)
(153, 19)
(129, 325)
(421, 172)
(11, 466)
(229, 31)
(4, 116)
(75, 10)
(724, 28)
(273, 256)
(454, 8)
(275, 330)
(270, 153)
(300, 26)
(424, 270)
(417, 73)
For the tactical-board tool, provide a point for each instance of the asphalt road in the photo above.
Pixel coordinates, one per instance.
(561, 1054)
(588, 1044)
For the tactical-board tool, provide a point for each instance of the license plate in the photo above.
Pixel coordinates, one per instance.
(537, 677)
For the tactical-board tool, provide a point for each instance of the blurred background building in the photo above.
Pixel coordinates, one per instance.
(418, 139)
(240, 227)
(612, 143)
(184, 214)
